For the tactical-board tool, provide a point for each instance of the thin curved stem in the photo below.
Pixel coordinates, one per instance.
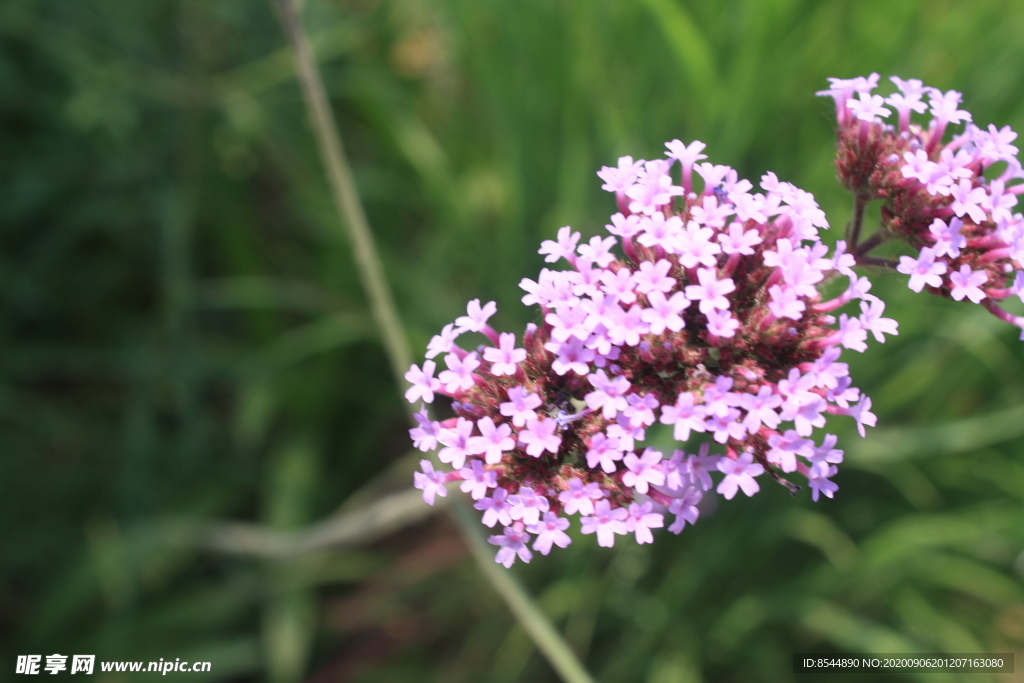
(870, 243)
(872, 261)
(346, 199)
(344, 193)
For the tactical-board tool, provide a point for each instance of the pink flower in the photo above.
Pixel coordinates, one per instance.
(520, 406)
(654, 277)
(539, 436)
(550, 531)
(641, 520)
(513, 543)
(457, 442)
(476, 480)
(493, 441)
(565, 247)
(820, 483)
(459, 375)
(496, 508)
(423, 383)
(605, 523)
(431, 482)
(685, 509)
(425, 436)
(527, 505)
(503, 359)
(604, 451)
(476, 317)
(711, 291)
(664, 313)
(739, 474)
(967, 283)
(607, 394)
(643, 470)
(579, 498)
(684, 416)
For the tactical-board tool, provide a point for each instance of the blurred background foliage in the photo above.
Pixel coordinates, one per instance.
(184, 337)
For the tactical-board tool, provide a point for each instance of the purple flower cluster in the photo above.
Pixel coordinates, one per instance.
(710, 321)
(936, 196)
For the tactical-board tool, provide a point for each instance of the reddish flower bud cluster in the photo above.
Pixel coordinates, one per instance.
(935, 195)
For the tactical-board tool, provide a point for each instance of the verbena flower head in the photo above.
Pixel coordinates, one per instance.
(952, 202)
(701, 312)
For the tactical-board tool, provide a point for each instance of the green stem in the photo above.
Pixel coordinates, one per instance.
(344, 193)
(346, 198)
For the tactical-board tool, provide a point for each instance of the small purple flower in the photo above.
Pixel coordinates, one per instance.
(606, 523)
(550, 531)
(694, 247)
(599, 251)
(687, 155)
(457, 442)
(423, 383)
(444, 342)
(503, 359)
(476, 480)
(684, 416)
(641, 520)
(431, 482)
(739, 474)
(604, 451)
(425, 436)
(608, 394)
(785, 448)
(862, 413)
(968, 200)
(785, 302)
(565, 247)
(539, 436)
(967, 283)
(820, 482)
(493, 440)
(944, 106)
(701, 466)
(571, 356)
(685, 509)
(826, 455)
(579, 498)
(868, 108)
(476, 317)
(722, 324)
(459, 375)
(654, 277)
(496, 508)
(664, 313)
(760, 409)
(725, 426)
(923, 270)
(618, 179)
(644, 470)
(738, 240)
(871, 318)
(640, 410)
(527, 505)
(711, 291)
(513, 543)
(520, 406)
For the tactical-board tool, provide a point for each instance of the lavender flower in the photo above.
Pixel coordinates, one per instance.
(701, 312)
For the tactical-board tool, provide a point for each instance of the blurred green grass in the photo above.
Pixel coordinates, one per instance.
(184, 334)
